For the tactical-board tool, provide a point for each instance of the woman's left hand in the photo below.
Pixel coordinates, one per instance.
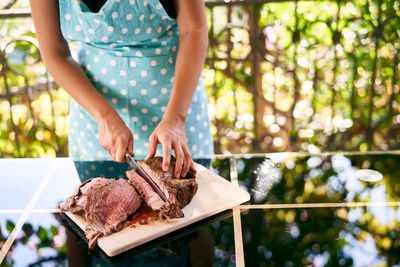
(170, 133)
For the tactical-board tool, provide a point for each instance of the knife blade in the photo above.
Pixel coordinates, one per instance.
(134, 165)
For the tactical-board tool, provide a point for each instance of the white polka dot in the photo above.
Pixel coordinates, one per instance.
(129, 17)
(96, 21)
(154, 101)
(153, 82)
(78, 28)
(104, 89)
(163, 17)
(67, 16)
(154, 40)
(124, 110)
(99, 154)
(82, 134)
(164, 43)
(172, 79)
(159, 6)
(114, 100)
(87, 40)
(88, 67)
(206, 142)
(118, 53)
(91, 31)
(133, 101)
(144, 110)
(163, 71)
(158, 51)
(148, 31)
(69, 36)
(135, 137)
(194, 147)
(137, 31)
(113, 62)
(164, 91)
(132, 83)
(173, 48)
(135, 119)
(190, 110)
(101, 52)
(152, 16)
(95, 79)
(138, 53)
(123, 92)
(113, 82)
(110, 28)
(101, 12)
(170, 60)
(75, 148)
(132, 2)
(138, 151)
(163, 108)
(75, 123)
(154, 119)
(153, 63)
(205, 124)
(104, 70)
(115, 15)
(132, 63)
(146, 2)
(143, 73)
(122, 73)
(169, 32)
(143, 92)
(144, 127)
(104, 39)
(202, 106)
(192, 129)
(201, 135)
(141, 17)
(195, 98)
(96, 59)
(113, 45)
(90, 144)
(145, 143)
(124, 30)
(72, 130)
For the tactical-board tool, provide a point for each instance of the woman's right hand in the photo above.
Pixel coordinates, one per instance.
(115, 136)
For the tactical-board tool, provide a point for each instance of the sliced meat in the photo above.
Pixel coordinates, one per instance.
(106, 205)
(179, 192)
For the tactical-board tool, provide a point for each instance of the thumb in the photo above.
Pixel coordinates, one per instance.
(153, 142)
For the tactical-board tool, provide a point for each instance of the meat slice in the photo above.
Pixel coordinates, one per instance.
(106, 205)
(179, 192)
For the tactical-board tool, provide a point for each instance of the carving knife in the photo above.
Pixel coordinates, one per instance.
(134, 165)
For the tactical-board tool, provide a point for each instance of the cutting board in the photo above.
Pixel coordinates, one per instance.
(215, 194)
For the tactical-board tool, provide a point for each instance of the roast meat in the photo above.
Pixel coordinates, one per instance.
(105, 203)
(179, 192)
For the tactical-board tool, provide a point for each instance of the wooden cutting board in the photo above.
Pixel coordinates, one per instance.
(215, 194)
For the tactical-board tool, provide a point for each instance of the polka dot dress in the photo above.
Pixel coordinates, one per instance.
(128, 51)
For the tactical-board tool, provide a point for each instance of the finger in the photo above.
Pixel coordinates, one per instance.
(179, 160)
(120, 151)
(187, 161)
(166, 147)
(193, 166)
(153, 142)
(130, 146)
(111, 150)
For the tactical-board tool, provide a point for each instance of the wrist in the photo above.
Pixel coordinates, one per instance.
(175, 119)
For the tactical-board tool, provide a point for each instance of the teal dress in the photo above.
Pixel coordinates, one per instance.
(128, 50)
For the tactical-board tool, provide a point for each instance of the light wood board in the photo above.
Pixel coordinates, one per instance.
(215, 194)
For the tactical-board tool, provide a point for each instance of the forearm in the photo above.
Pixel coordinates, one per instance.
(189, 63)
(71, 77)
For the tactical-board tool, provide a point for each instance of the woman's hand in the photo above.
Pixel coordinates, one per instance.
(115, 136)
(170, 133)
